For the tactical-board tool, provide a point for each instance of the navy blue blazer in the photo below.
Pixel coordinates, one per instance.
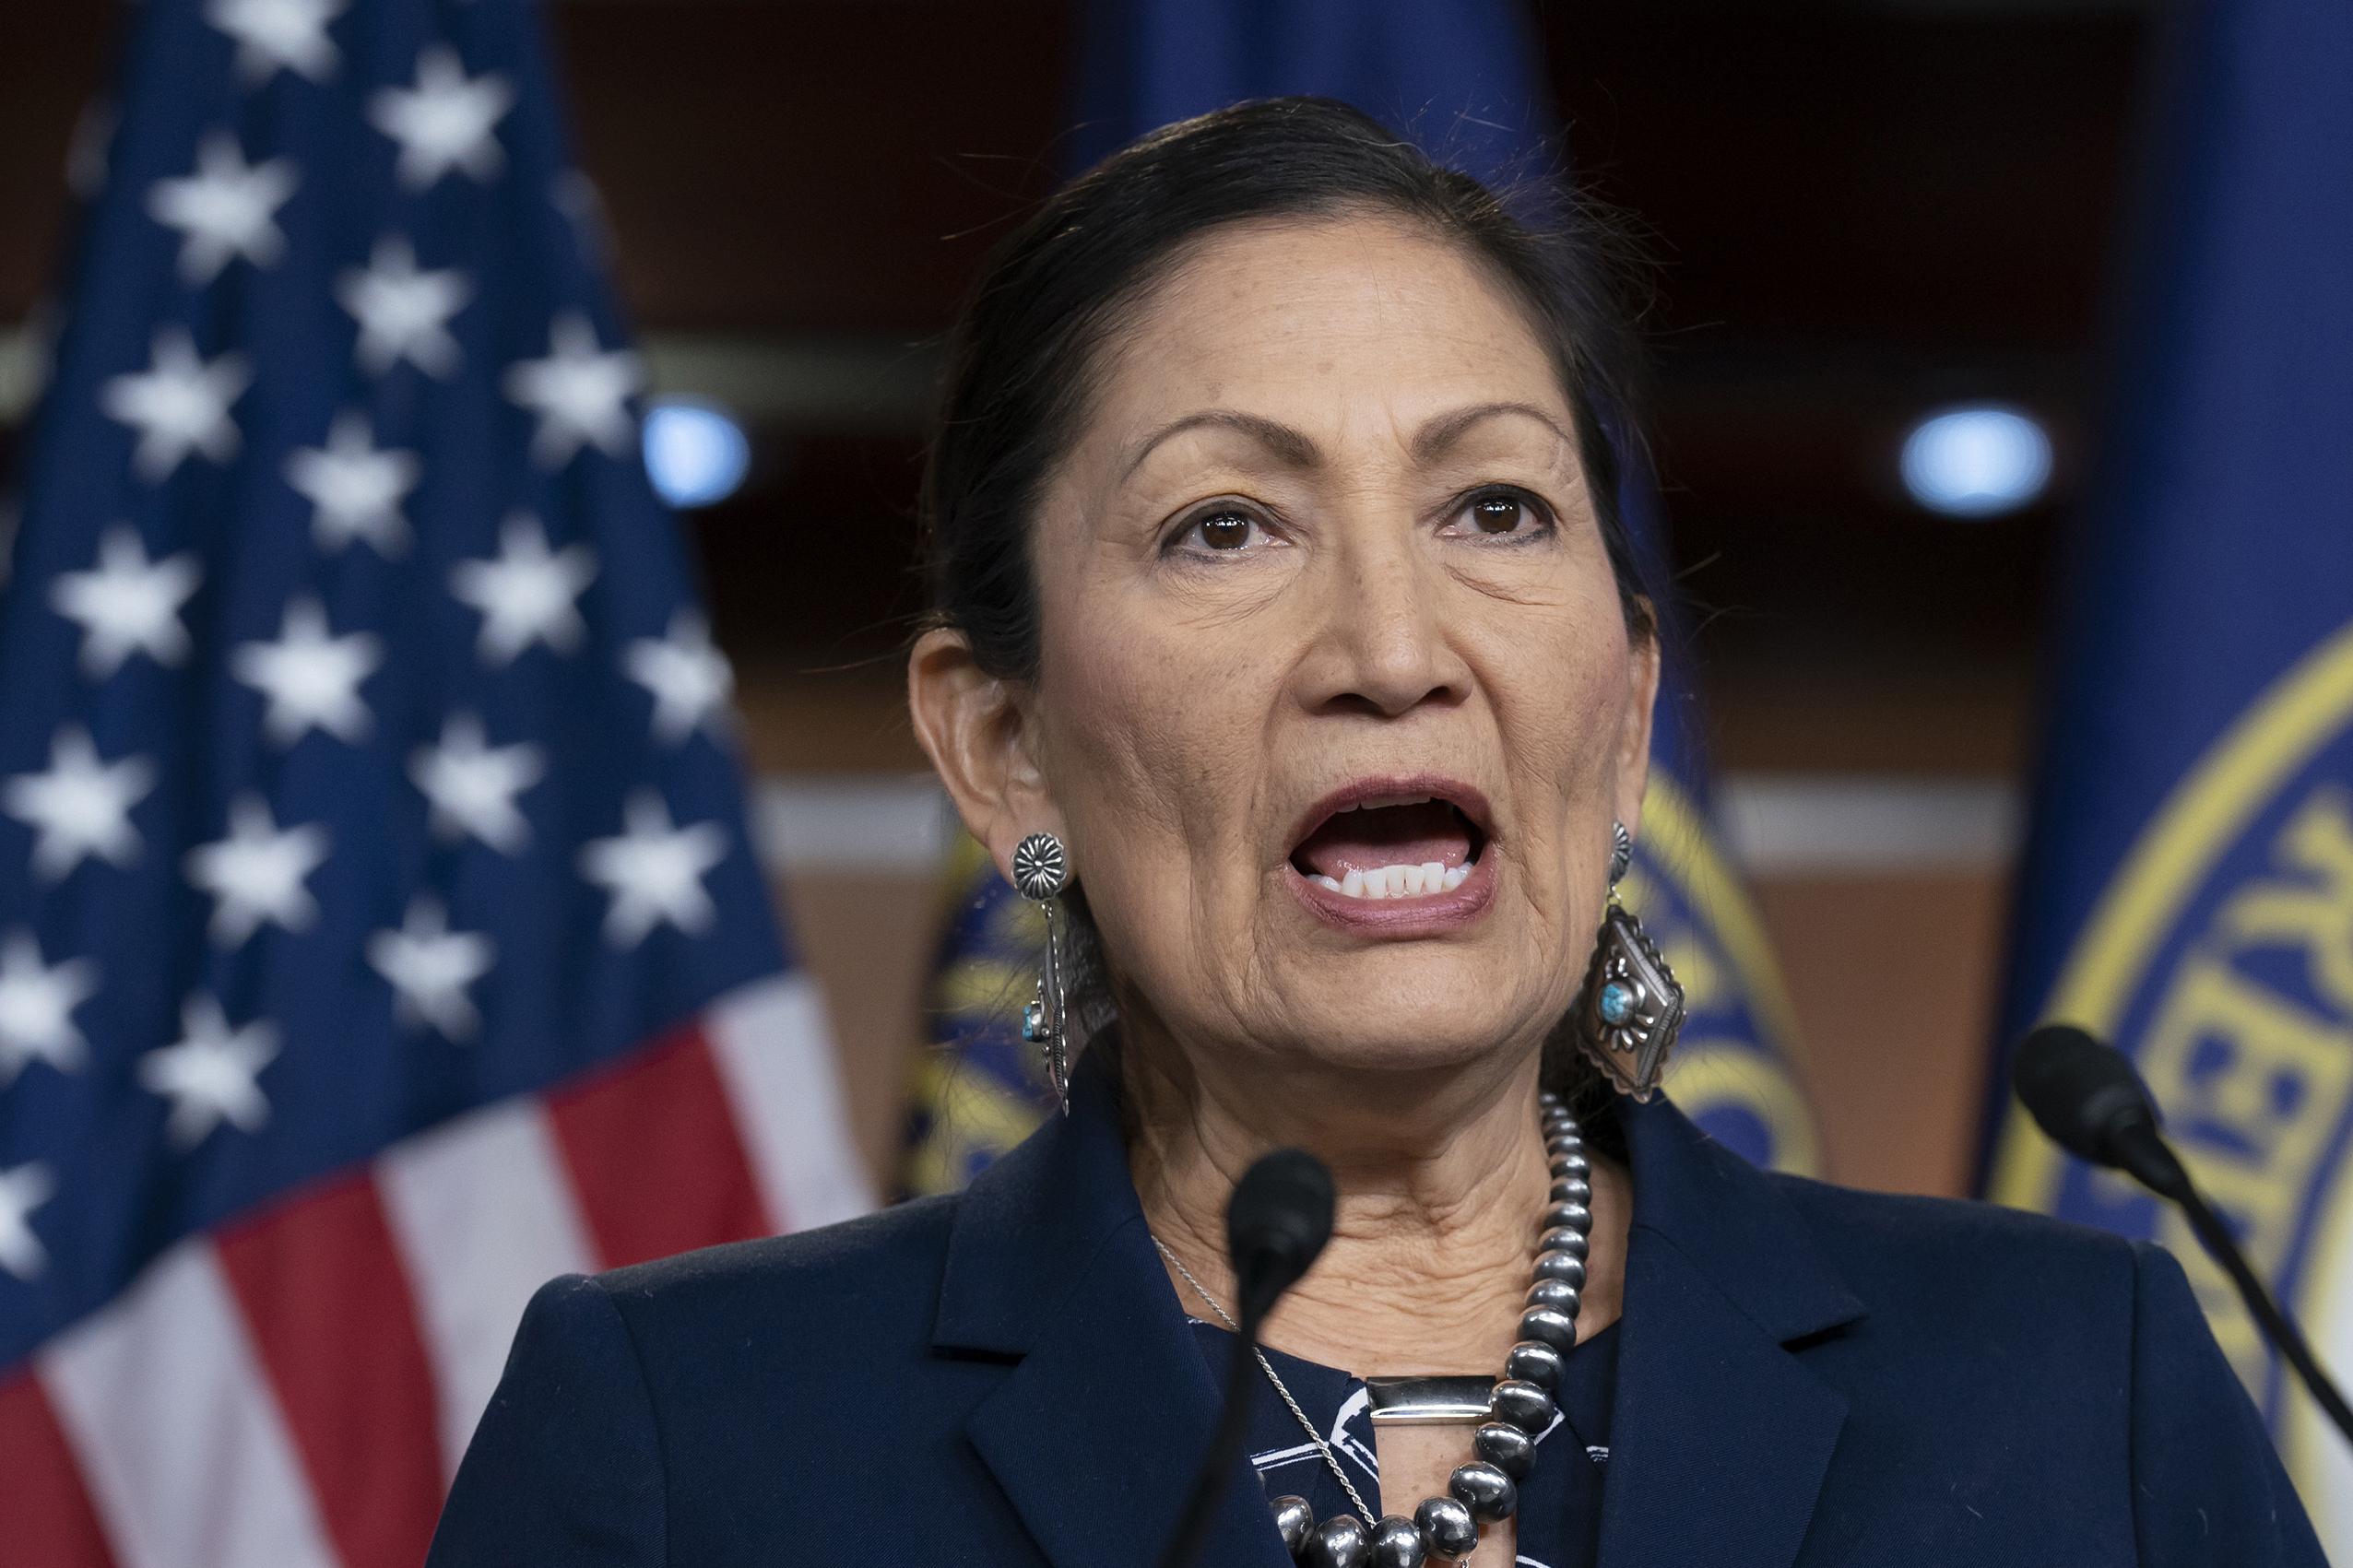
(1806, 1375)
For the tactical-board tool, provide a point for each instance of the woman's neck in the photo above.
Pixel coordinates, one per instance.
(1440, 1190)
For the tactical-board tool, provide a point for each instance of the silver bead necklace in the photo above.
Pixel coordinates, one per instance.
(1520, 1408)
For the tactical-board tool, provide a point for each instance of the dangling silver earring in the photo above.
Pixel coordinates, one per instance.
(1041, 872)
(1631, 1006)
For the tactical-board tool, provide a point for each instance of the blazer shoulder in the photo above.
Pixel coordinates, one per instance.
(874, 1273)
(1893, 1240)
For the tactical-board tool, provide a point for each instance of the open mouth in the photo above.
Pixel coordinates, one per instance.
(1391, 846)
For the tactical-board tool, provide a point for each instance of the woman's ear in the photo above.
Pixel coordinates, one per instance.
(982, 740)
(1634, 733)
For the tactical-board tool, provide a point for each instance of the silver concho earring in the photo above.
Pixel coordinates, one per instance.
(1631, 1006)
(1040, 873)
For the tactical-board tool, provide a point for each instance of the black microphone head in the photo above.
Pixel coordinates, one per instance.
(2081, 1091)
(1276, 1223)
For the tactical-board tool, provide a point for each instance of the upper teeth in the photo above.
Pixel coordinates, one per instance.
(1399, 881)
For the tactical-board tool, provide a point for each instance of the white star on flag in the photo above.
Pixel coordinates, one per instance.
(37, 1003)
(444, 123)
(275, 34)
(227, 208)
(429, 967)
(80, 807)
(210, 1076)
(580, 392)
(23, 1189)
(402, 314)
(654, 871)
(472, 786)
(310, 679)
(354, 490)
(690, 678)
(178, 404)
(256, 874)
(525, 595)
(127, 604)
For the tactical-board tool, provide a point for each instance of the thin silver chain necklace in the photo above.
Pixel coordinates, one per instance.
(1520, 1406)
(1331, 1459)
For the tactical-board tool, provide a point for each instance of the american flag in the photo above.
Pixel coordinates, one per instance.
(379, 934)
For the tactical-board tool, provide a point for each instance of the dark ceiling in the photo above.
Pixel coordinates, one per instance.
(1852, 212)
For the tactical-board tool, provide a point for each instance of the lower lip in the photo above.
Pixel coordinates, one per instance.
(1421, 915)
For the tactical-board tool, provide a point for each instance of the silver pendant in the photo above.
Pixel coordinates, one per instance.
(1425, 1400)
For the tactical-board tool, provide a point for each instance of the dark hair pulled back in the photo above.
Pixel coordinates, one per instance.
(1025, 355)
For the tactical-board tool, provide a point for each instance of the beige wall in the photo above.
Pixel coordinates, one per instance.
(869, 939)
(1893, 979)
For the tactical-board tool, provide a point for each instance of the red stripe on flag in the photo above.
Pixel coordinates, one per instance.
(655, 1155)
(49, 1521)
(323, 1289)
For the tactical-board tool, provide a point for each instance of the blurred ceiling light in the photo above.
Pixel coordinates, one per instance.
(1977, 460)
(695, 453)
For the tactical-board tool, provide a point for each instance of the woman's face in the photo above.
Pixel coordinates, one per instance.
(1336, 700)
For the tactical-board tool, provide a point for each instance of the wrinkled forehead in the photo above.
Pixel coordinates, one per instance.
(1352, 321)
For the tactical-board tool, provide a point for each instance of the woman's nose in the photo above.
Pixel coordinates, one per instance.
(1382, 644)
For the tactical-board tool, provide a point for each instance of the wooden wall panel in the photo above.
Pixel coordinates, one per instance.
(1894, 980)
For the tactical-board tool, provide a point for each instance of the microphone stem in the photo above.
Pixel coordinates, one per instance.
(1225, 1448)
(2277, 1325)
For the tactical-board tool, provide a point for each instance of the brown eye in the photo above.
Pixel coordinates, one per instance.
(1224, 530)
(1498, 513)
(1502, 513)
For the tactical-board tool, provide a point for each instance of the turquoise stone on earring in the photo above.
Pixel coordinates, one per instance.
(1617, 1001)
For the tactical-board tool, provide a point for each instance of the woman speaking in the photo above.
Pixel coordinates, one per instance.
(1287, 645)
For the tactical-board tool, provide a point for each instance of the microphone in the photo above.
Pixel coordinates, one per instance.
(1276, 1225)
(2086, 1097)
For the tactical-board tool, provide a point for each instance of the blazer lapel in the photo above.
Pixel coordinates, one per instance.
(1097, 1434)
(1721, 1437)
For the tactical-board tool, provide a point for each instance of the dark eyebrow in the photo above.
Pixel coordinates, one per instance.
(1433, 439)
(1294, 449)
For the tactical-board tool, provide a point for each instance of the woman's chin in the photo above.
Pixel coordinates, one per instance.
(1385, 1026)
